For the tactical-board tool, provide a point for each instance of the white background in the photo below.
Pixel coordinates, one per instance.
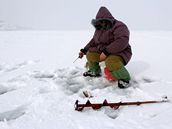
(77, 14)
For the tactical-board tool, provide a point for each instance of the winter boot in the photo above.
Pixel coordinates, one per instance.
(122, 76)
(123, 84)
(91, 74)
(94, 70)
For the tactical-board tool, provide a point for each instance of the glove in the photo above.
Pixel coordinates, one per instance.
(82, 53)
(102, 57)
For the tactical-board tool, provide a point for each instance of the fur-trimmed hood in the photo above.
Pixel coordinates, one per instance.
(103, 14)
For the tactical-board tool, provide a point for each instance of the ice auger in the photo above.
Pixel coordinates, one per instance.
(95, 106)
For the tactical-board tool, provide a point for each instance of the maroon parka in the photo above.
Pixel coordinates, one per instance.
(114, 41)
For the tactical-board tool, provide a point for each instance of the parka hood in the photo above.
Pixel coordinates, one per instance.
(104, 13)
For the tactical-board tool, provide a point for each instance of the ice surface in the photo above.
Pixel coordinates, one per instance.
(39, 83)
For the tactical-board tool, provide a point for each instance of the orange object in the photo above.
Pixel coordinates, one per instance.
(108, 75)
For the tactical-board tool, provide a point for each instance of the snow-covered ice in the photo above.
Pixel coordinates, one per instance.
(39, 83)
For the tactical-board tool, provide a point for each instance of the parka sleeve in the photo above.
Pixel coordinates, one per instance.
(121, 40)
(86, 48)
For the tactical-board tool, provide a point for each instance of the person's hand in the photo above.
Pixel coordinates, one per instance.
(81, 54)
(102, 57)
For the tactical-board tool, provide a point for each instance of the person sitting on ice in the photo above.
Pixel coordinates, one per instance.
(110, 43)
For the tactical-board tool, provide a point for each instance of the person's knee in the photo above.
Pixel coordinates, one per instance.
(114, 62)
(93, 56)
